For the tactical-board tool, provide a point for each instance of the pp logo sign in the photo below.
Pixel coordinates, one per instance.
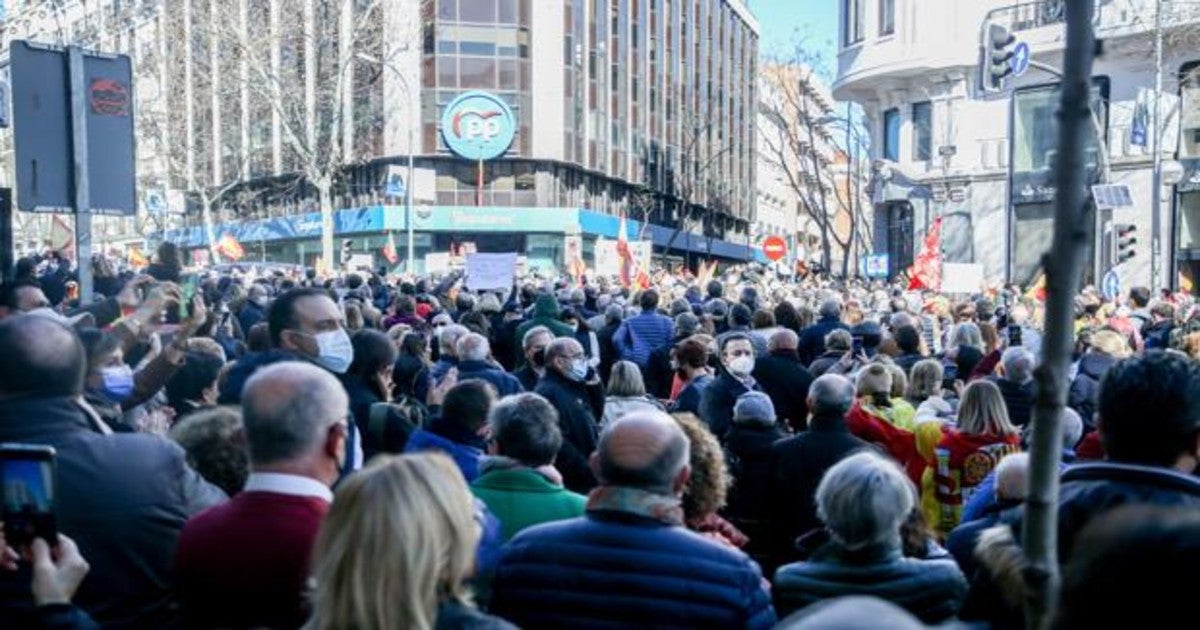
(478, 126)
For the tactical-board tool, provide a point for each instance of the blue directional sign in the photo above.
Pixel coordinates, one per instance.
(1110, 286)
(478, 125)
(1020, 59)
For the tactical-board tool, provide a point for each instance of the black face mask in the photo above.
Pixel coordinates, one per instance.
(539, 358)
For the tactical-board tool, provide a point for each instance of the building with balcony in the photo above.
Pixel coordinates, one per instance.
(642, 107)
(944, 147)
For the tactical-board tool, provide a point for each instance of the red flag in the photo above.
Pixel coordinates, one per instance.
(389, 250)
(628, 266)
(229, 247)
(926, 271)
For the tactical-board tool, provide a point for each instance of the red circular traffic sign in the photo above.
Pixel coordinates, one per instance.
(774, 247)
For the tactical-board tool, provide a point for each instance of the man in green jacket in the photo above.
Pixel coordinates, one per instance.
(545, 313)
(519, 484)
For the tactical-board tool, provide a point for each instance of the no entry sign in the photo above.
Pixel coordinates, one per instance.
(774, 247)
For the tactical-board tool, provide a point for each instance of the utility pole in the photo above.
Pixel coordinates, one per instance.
(1156, 280)
(1063, 265)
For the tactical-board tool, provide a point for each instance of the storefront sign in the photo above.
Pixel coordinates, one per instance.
(478, 126)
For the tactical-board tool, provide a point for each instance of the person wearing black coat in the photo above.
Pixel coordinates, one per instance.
(1084, 394)
(797, 464)
(812, 340)
(748, 455)
(781, 375)
(608, 350)
(659, 373)
(575, 391)
(719, 396)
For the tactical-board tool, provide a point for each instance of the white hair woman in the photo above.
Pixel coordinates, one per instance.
(397, 547)
(626, 393)
(863, 501)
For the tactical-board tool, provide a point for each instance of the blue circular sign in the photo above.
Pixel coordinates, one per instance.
(1020, 59)
(478, 125)
(1110, 285)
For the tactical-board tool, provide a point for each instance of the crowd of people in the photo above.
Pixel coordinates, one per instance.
(246, 448)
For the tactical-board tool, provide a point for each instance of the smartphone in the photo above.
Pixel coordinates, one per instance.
(27, 480)
(857, 345)
(188, 284)
(1014, 335)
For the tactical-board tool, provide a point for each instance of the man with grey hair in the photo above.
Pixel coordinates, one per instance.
(475, 361)
(812, 339)
(781, 375)
(798, 463)
(575, 391)
(659, 373)
(862, 501)
(1011, 479)
(630, 546)
(519, 482)
(296, 425)
(1016, 384)
(837, 344)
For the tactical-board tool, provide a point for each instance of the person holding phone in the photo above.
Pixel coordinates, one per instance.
(56, 573)
(123, 498)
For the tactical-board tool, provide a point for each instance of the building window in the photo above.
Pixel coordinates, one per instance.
(1189, 95)
(887, 17)
(853, 15)
(922, 115)
(891, 135)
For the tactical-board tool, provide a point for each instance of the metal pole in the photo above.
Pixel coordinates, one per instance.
(408, 190)
(79, 155)
(1156, 191)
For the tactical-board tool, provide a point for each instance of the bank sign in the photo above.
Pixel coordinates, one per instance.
(478, 126)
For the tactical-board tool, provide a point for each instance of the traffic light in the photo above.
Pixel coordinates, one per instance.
(997, 57)
(1124, 241)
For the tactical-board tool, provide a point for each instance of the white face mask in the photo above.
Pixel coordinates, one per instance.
(741, 366)
(334, 350)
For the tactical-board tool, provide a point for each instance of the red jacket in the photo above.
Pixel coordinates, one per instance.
(898, 442)
(246, 563)
(961, 462)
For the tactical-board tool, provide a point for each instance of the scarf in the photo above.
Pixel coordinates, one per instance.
(659, 507)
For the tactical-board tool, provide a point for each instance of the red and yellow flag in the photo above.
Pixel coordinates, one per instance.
(229, 247)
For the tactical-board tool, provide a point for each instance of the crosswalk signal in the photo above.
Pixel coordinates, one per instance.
(997, 57)
(1125, 237)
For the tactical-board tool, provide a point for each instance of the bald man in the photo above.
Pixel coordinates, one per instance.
(246, 563)
(630, 547)
(785, 379)
(123, 498)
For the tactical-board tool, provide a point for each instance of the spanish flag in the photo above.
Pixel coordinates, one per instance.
(137, 259)
(1038, 290)
(230, 248)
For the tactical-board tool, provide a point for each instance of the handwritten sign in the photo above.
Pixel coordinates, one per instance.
(490, 271)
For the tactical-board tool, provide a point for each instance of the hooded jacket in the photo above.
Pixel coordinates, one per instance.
(545, 313)
(1085, 389)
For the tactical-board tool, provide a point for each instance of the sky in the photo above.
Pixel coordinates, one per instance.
(814, 22)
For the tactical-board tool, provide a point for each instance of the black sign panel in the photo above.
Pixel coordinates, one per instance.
(41, 102)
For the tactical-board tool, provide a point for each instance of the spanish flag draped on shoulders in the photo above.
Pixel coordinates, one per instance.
(888, 422)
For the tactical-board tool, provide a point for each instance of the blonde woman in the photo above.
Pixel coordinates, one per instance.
(966, 454)
(396, 549)
(626, 393)
(1108, 347)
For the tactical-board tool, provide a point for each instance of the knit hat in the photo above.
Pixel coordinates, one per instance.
(874, 379)
(754, 408)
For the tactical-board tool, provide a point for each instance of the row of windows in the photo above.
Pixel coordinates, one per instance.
(854, 13)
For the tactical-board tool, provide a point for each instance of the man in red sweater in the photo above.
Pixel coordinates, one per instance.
(246, 563)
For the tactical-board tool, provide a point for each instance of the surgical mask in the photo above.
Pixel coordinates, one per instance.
(579, 369)
(741, 366)
(574, 327)
(334, 350)
(118, 382)
(539, 357)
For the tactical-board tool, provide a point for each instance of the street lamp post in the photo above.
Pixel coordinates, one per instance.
(412, 148)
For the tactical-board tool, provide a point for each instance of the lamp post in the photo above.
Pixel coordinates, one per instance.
(414, 106)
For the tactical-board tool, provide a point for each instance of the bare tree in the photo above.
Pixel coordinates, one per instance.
(697, 195)
(795, 139)
(1063, 264)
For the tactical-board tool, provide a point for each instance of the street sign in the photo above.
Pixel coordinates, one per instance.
(1110, 286)
(478, 126)
(156, 202)
(875, 265)
(395, 185)
(1112, 196)
(1020, 59)
(948, 150)
(43, 128)
(774, 247)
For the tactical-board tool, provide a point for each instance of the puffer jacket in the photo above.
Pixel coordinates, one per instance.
(614, 569)
(933, 590)
(1085, 388)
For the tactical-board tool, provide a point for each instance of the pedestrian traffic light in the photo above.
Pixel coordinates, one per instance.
(997, 57)
(1124, 241)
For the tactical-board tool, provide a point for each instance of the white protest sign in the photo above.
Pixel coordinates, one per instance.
(490, 271)
(608, 262)
(437, 262)
(962, 278)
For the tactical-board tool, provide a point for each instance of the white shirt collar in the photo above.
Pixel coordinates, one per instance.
(282, 483)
